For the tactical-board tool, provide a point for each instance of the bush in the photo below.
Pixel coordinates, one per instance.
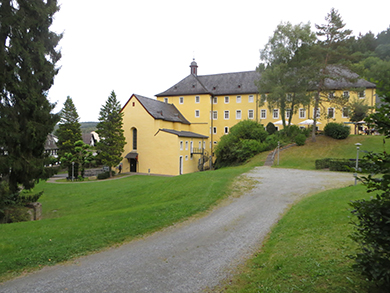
(271, 129)
(300, 139)
(323, 163)
(336, 130)
(103, 175)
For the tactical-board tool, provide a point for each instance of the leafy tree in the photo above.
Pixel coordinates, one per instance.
(28, 58)
(285, 79)
(372, 226)
(68, 133)
(328, 51)
(109, 128)
(80, 157)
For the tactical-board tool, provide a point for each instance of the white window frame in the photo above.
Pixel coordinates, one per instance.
(181, 100)
(275, 111)
(226, 99)
(215, 115)
(215, 100)
(238, 114)
(214, 130)
(200, 145)
(181, 145)
(333, 110)
(197, 99)
(186, 157)
(250, 99)
(191, 147)
(318, 113)
(197, 113)
(263, 111)
(362, 94)
(251, 114)
(186, 145)
(238, 99)
(226, 130)
(302, 110)
(165, 100)
(288, 112)
(346, 94)
(226, 115)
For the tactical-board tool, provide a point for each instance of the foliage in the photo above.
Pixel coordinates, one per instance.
(372, 226)
(271, 129)
(245, 139)
(28, 58)
(337, 130)
(80, 156)
(300, 139)
(109, 128)
(68, 133)
(380, 118)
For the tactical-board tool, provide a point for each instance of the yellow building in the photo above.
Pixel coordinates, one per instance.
(175, 133)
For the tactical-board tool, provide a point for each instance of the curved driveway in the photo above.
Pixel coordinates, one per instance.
(191, 256)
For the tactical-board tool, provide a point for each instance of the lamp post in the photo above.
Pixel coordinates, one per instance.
(357, 161)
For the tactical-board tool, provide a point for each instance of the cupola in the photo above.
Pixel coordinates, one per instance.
(194, 67)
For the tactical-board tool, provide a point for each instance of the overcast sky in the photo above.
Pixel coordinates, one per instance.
(145, 47)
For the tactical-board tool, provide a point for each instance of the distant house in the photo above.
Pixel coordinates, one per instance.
(90, 138)
(51, 147)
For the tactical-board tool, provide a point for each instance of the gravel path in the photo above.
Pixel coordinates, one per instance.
(190, 256)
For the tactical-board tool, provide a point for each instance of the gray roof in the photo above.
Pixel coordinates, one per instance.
(184, 133)
(244, 83)
(161, 110)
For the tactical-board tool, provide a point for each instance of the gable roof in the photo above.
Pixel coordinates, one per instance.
(160, 110)
(245, 83)
(184, 133)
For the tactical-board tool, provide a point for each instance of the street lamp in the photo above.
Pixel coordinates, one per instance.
(357, 161)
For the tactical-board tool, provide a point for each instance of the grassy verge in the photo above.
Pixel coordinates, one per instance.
(308, 250)
(304, 157)
(80, 218)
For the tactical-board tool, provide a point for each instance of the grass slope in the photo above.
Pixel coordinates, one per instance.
(79, 218)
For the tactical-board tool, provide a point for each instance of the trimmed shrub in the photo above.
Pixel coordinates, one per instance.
(103, 175)
(271, 129)
(300, 139)
(336, 130)
(322, 163)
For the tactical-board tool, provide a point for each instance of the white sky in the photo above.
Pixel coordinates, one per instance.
(145, 47)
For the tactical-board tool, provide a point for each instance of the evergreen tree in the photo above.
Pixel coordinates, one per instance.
(68, 133)
(28, 58)
(112, 140)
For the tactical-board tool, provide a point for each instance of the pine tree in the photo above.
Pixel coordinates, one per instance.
(112, 140)
(68, 133)
(28, 58)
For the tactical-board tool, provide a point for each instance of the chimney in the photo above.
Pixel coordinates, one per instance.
(194, 67)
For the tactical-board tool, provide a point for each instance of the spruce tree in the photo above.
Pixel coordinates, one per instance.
(28, 58)
(68, 133)
(112, 140)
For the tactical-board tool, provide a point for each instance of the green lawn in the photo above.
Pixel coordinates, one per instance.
(307, 251)
(304, 157)
(79, 218)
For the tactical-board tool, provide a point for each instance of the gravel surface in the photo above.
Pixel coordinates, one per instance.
(190, 256)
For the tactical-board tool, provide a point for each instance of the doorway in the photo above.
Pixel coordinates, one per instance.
(133, 165)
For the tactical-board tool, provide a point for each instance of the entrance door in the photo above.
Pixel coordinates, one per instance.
(133, 165)
(181, 165)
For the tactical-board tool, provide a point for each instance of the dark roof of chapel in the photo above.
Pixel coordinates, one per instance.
(161, 110)
(184, 133)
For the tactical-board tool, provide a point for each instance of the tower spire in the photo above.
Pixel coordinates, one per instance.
(194, 67)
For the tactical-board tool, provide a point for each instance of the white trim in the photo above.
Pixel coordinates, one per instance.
(261, 113)
(228, 114)
(253, 114)
(197, 113)
(237, 112)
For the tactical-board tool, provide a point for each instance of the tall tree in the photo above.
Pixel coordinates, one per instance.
(284, 82)
(28, 58)
(328, 51)
(68, 133)
(109, 128)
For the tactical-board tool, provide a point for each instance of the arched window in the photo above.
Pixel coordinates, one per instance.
(134, 138)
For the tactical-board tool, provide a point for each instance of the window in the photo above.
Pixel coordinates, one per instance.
(345, 112)
(288, 112)
(215, 115)
(250, 99)
(214, 130)
(318, 113)
(215, 142)
(181, 100)
(197, 99)
(238, 114)
(215, 100)
(362, 94)
(204, 145)
(186, 145)
(200, 145)
(276, 114)
(263, 113)
(302, 113)
(226, 130)
(346, 94)
(226, 115)
(134, 138)
(289, 97)
(250, 114)
(331, 95)
(186, 158)
(181, 145)
(238, 99)
(330, 112)
(191, 147)
(165, 100)
(197, 113)
(226, 100)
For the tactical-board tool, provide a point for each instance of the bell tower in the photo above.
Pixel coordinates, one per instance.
(194, 67)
